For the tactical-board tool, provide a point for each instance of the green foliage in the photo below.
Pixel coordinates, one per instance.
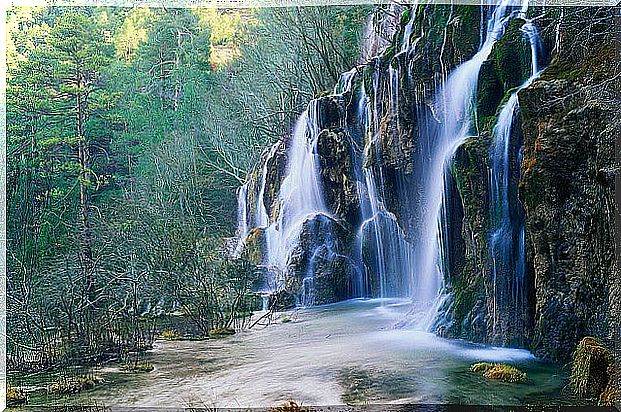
(126, 142)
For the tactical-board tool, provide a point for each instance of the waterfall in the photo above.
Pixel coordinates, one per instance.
(300, 197)
(395, 264)
(455, 106)
(507, 248)
(242, 219)
(390, 253)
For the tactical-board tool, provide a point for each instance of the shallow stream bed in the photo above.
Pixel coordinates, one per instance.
(349, 352)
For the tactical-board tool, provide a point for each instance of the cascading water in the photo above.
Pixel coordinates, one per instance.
(396, 264)
(379, 235)
(300, 196)
(455, 106)
(507, 247)
(242, 219)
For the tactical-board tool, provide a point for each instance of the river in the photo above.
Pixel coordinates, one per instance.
(350, 352)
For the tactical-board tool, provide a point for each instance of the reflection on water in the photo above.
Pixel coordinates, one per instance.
(342, 353)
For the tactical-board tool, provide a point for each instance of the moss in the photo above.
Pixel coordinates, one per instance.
(75, 384)
(499, 371)
(170, 335)
(221, 332)
(591, 370)
(254, 246)
(15, 396)
(511, 56)
(137, 367)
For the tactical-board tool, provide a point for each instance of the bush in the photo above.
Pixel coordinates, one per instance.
(69, 385)
(499, 371)
(15, 396)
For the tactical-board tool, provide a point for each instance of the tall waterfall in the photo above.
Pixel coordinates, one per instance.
(455, 106)
(507, 247)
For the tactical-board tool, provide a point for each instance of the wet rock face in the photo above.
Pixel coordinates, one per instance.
(321, 262)
(570, 222)
(336, 155)
(570, 121)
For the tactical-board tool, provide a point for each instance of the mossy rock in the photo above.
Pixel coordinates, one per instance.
(254, 246)
(591, 370)
(499, 371)
(15, 396)
(221, 332)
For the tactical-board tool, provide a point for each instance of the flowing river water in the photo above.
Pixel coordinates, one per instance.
(345, 353)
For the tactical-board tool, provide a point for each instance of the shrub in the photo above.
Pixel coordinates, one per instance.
(15, 396)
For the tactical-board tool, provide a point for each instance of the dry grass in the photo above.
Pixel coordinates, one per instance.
(170, 335)
(220, 332)
(74, 384)
(500, 372)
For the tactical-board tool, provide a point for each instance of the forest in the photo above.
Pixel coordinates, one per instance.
(185, 179)
(129, 131)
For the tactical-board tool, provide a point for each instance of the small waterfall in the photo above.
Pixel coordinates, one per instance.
(262, 218)
(242, 219)
(300, 196)
(507, 243)
(379, 236)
